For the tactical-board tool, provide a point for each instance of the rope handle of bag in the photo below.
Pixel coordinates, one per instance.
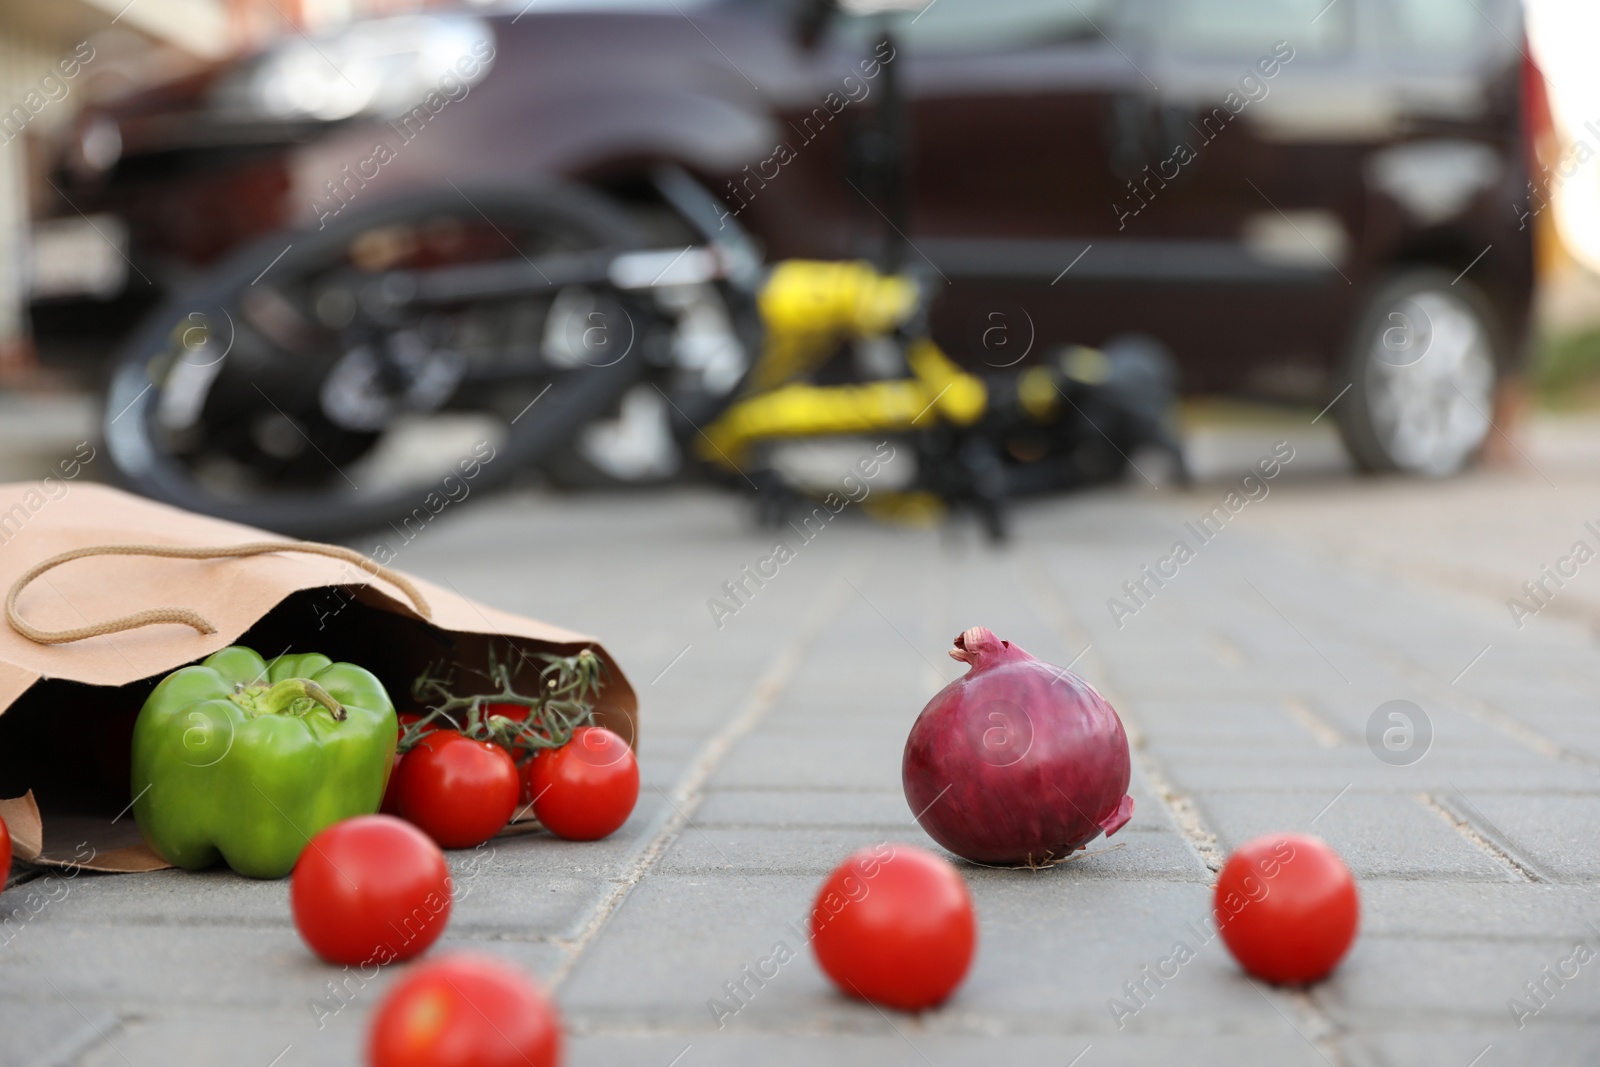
(183, 616)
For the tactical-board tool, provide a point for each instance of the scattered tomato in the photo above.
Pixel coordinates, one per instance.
(462, 792)
(370, 890)
(465, 1011)
(894, 924)
(587, 788)
(5, 854)
(1287, 907)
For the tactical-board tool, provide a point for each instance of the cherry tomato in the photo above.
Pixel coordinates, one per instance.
(407, 719)
(465, 1011)
(587, 788)
(462, 792)
(5, 855)
(514, 712)
(1287, 907)
(894, 924)
(391, 791)
(370, 890)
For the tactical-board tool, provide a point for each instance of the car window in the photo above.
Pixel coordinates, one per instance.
(993, 25)
(1434, 26)
(1245, 27)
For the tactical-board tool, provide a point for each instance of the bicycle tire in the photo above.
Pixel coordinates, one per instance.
(131, 399)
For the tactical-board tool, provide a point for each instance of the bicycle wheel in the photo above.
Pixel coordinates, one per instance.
(321, 383)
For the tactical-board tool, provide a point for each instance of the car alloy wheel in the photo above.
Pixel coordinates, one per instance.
(1422, 378)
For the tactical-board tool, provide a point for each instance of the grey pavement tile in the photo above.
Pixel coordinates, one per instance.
(190, 898)
(1580, 737)
(1394, 982)
(528, 885)
(703, 850)
(245, 1038)
(1547, 1043)
(1247, 722)
(681, 718)
(1054, 947)
(49, 1032)
(916, 1049)
(865, 809)
(224, 971)
(1556, 832)
(1207, 768)
(884, 808)
(226, 967)
(1480, 910)
(1452, 724)
(327, 1026)
(1131, 854)
(1377, 836)
(1138, 682)
(808, 712)
(764, 761)
(1148, 812)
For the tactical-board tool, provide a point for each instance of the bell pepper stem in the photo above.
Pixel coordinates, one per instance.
(291, 689)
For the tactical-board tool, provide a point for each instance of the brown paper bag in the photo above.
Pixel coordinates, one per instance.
(67, 710)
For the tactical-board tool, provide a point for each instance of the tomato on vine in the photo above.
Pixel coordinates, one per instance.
(587, 788)
(461, 792)
(462, 796)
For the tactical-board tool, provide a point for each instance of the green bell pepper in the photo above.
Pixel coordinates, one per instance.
(249, 759)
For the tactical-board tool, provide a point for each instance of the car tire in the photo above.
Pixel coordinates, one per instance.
(1420, 372)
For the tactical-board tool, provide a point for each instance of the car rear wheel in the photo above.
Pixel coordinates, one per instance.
(1421, 375)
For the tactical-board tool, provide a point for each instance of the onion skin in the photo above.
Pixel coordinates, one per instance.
(1017, 763)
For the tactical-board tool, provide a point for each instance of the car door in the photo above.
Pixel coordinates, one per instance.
(1243, 196)
(1079, 170)
(1008, 182)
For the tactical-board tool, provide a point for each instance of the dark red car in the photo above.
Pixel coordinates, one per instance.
(1306, 200)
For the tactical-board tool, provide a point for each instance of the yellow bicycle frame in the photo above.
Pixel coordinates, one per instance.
(808, 308)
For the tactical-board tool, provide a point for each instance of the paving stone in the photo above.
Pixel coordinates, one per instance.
(808, 808)
(914, 1049)
(39, 1031)
(1517, 911)
(528, 885)
(1055, 947)
(1152, 854)
(1201, 769)
(193, 898)
(246, 1038)
(784, 762)
(1546, 1042)
(1250, 723)
(1377, 836)
(777, 851)
(1393, 982)
(1557, 832)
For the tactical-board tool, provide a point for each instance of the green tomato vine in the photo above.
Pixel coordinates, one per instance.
(564, 701)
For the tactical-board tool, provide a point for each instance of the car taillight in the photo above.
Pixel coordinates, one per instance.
(1538, 125)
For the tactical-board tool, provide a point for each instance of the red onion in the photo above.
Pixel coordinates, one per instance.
(1017, 763)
